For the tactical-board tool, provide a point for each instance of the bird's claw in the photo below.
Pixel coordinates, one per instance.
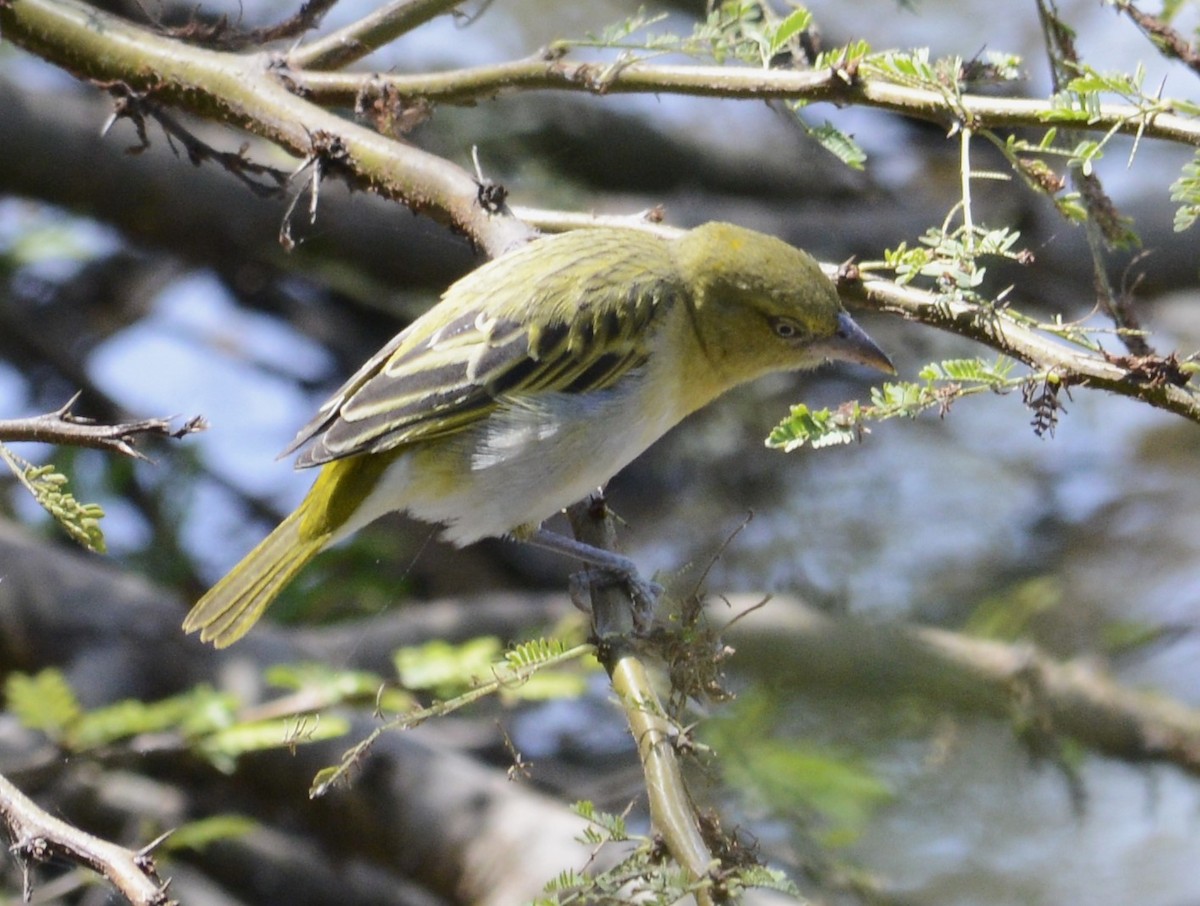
(644, 593)
(578, 588)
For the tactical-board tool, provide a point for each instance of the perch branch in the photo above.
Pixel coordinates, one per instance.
(671, 810)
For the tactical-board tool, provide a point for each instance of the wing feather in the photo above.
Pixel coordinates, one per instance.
(599, 298)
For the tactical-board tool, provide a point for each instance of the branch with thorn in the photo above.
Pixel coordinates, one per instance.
(64, 427)
(38, 837)
(50, 488)
(135, 106)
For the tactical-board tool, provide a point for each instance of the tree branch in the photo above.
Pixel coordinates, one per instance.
(368, 34)
(1169, 41)
(244, 91)
(1149, 379)
(547, 72)
(801, 646)
(671, 810)
(65, 428)
(220, 34)
(39, 837)
(248, 91)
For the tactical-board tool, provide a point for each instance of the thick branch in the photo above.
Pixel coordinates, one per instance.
(39, 837)
(246, 91)
(466, 86)
(796, 644)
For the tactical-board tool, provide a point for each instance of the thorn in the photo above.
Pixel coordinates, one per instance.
(148, 849)
(65, 411)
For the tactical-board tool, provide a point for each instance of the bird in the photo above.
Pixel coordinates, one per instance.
(536, 378)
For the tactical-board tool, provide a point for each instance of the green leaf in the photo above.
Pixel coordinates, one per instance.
(1007, 616)
(793, 24)
(197, 835)
(208, 710)
(912, 68)
(534, 652)
(197, 711)
(764, 878)
(544, 684)
(122, 720)
(324, 778)
(228, 744)
(816, 428)
(324, 686)
(49, 488)
(1068, 107)
(611, 825)
(1186, 190)
(1093, 81)
(849, 55)
(1071, 207)
(839, 144)
(43, 701)
(973, 370)
(789, 776)
(447, 669)
(1085, 154)
(1123, 636)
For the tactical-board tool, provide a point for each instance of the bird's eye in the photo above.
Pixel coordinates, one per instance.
(785, 328)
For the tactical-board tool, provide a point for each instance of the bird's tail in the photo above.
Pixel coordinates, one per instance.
(231, 607)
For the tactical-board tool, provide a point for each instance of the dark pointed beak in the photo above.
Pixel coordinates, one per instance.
(851, 344)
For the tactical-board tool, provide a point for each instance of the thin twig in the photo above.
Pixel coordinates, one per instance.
(64, 427)
(221, 35)
(367, 34)
(135, 107)
(994, 328)
(1103, 227)
(1169, 41)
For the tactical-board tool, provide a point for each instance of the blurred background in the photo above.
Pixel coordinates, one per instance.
(158, 288)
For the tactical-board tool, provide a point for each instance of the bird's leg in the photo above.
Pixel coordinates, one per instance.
(645, 593)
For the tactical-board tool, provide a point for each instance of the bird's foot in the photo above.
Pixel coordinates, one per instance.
(644, 593)
(602, 563)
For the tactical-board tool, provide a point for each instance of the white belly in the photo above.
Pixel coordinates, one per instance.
(527, 460)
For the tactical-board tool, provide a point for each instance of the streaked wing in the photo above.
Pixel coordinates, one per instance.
(599, 298)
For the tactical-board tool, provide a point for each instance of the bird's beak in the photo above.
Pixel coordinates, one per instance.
(851, 344)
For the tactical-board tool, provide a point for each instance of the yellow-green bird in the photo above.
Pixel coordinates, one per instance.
(535, 379)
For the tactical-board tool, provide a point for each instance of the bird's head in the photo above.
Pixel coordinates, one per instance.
(760, 305)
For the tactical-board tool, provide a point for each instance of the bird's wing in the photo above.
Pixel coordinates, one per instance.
(566, 314)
